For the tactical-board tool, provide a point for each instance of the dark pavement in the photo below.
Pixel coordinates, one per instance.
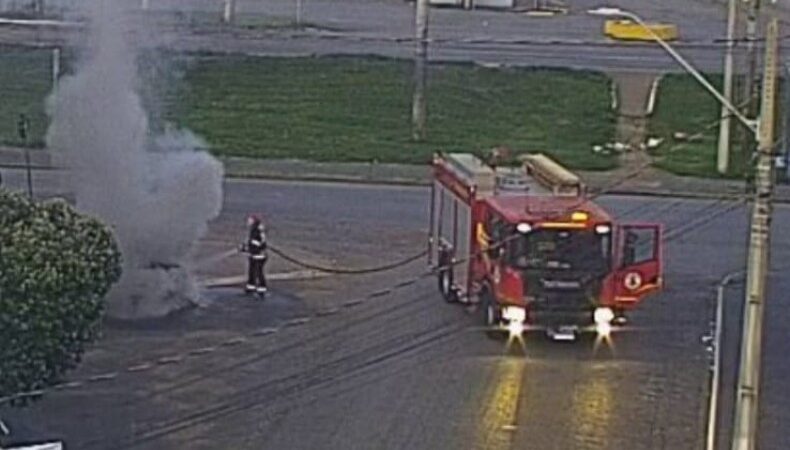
(406, 370)
(386, 28)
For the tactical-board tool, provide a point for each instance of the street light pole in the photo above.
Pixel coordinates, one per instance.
(230, 11)
(750, 90)
(746, 406)
(419, 110)
(723, 153)
(617, 12)
(55, 69)
(298, 13)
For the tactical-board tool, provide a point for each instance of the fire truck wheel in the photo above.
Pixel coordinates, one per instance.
(446, 286)
(489, 309)
(491, 316)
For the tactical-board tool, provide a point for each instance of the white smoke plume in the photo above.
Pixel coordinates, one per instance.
(158, 192)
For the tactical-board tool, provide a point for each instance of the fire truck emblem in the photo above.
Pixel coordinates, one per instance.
(632, 281)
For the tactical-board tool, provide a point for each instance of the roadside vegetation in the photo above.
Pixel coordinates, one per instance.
(683, 106)
(358, 109)
(56, 266)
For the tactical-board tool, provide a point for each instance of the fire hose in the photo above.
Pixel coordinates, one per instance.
(347, 271)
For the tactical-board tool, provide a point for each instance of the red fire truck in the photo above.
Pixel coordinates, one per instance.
(537, 256)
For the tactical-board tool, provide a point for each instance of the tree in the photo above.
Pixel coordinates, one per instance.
(56, 266)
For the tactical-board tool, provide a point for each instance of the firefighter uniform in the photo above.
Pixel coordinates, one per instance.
(256, 247)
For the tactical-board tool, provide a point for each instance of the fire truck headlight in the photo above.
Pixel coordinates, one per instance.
(514, 314)
(515, 328)
(523, 228)
(603, 316)
(603, 229)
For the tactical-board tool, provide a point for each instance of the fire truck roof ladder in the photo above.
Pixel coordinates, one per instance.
(552, 175)
(473, 171)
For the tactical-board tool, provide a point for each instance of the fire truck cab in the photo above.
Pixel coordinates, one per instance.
(541, 256)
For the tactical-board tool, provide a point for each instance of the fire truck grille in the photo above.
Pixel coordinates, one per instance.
(561, 300)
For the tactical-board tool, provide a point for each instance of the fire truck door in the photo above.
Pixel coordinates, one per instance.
(638, 261)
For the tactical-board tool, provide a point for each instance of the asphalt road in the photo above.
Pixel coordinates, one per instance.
(385, 27)
(405, 370)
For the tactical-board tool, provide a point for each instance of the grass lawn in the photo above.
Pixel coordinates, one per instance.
(357, 109)
(685, 106)
(25, 81)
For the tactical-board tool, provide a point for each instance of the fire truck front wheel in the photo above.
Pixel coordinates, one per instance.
(489, 309)
(446, 287)
(491, 315)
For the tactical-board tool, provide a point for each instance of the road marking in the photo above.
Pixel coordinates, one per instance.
(139, 367)
(169, 359)
(203, 351)
(406, 283)
(297, 321)
(41, 23)
(501, 409)
(104, 377)
(354, 302)
(379, 293)
(234, 341)
(265, 331)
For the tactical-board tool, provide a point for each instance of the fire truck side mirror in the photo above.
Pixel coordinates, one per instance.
(495, 251)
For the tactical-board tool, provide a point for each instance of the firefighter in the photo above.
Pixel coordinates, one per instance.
(256, 249)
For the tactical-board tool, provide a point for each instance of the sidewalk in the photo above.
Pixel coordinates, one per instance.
(650, 182)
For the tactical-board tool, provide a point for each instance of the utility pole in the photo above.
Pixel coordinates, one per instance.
(786, 126)
(55, 68)
(419, 110)
(299, 13)
(746, 406)
(750, 90)
(723, 154)
(230, 11)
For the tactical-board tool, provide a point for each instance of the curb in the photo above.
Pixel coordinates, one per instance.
(386, 180)
(679, 194)
(425, 183)
(331, 179)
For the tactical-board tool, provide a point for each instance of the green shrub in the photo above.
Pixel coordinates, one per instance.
(56, 266)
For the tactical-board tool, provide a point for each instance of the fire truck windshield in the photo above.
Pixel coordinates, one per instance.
(577, 250)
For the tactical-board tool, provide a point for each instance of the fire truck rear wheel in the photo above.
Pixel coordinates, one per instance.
(446, 286)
